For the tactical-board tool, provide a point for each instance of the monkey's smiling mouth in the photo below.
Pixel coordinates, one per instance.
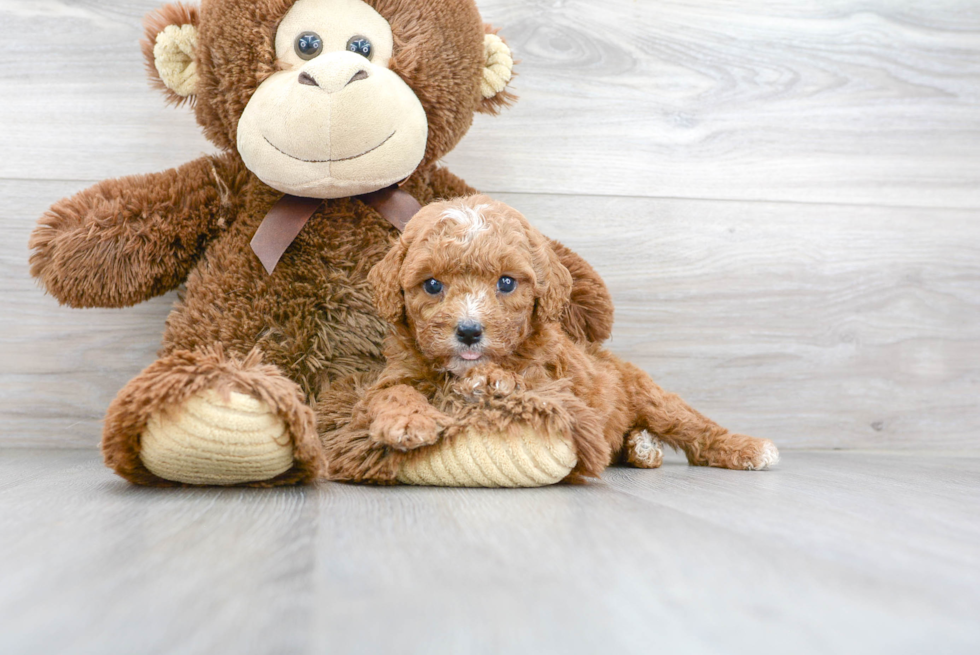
(326, 161)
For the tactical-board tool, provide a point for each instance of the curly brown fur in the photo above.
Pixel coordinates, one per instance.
(123, 241)
(521, 368)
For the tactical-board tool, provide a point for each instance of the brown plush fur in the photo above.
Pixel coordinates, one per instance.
(124, 241)
(525, 365)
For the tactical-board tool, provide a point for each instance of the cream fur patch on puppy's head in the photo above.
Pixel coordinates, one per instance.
(469, 218)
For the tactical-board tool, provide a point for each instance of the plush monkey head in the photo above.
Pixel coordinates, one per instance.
(330, 98)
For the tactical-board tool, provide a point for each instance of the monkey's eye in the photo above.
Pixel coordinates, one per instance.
(506, 284)
(432, 286)
(308, 45)
(360, 45)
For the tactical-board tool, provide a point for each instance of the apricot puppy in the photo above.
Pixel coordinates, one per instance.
(476, 296)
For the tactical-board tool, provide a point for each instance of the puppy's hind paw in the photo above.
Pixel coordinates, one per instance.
(767, 456)
(745, 453)
(643, 451)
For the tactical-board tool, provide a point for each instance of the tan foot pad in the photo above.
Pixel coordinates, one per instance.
(210, 441)
(472, 459)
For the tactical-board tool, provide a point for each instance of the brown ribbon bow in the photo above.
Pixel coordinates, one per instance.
(286, 219)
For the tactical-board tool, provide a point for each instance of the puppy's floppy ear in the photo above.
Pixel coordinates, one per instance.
(170, 50)
(554, 284)
(384, 278)
(498, 71)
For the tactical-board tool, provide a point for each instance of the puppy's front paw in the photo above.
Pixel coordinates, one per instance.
(488, 382)
(407, 429)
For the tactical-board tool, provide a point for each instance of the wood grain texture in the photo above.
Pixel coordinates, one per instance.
(59, 367)
(871, 101)
(876, 101)
(815, 323)
(815, 326)
(828, 553)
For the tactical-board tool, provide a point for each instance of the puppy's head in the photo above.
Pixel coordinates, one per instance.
(470, 280)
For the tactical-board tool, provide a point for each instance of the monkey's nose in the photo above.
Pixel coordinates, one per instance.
(469, 332)
(332, 79)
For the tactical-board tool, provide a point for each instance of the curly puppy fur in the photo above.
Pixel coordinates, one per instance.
(467, 350)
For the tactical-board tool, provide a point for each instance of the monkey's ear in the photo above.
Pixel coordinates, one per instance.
(170, 51)
(384, 279)
(498, 71)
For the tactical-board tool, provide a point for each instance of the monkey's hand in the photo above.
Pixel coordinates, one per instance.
(124, 241)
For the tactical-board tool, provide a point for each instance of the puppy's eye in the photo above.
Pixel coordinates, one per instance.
(432, 286)
(506, 284)
(360, 45)
(308, 45)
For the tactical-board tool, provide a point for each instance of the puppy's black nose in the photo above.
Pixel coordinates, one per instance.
(469, 332)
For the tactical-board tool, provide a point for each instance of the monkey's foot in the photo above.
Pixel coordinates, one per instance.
(216, 441)
(203, 419)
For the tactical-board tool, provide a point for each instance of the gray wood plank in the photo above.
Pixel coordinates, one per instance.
(816, 326)
(872, 102)
(60, 368)
(829, 552)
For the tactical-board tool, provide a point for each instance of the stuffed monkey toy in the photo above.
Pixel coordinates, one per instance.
(331, 117)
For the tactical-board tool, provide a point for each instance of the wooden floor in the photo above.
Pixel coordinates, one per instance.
(830, 552)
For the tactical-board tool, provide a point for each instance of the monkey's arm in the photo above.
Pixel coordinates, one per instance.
(124, 241)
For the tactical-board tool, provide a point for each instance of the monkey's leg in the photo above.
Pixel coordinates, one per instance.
(204, 418)
(667, 417)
